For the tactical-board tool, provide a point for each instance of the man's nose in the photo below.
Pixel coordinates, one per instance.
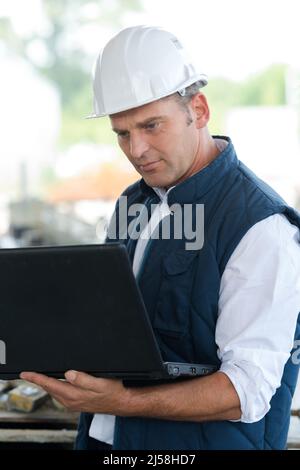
(138, 146)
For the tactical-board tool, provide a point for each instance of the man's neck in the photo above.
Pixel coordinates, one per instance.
(214, 148)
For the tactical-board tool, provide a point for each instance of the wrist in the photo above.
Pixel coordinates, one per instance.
(128, 403)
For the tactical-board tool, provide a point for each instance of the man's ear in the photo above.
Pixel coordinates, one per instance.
(200, 110)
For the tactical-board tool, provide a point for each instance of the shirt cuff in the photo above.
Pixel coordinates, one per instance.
(251, 388)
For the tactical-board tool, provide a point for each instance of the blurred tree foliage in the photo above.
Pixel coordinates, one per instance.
(266, 88)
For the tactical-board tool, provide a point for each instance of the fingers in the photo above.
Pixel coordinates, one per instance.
(75, 382)
(50, 385)
(81, 391)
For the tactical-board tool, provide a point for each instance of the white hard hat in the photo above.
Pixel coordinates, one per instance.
(139, 65)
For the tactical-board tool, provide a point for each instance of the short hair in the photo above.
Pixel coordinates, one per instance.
(187, 93)
(183, 97)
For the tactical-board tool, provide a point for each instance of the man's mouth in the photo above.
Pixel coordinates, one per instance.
(149, 166)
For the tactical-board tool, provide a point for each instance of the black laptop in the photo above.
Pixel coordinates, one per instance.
(78, 307)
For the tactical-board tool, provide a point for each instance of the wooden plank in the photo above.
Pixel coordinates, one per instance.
(37, 436)
(47, 413)
(47, 417)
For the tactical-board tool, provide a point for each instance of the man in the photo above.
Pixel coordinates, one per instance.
(233, 301)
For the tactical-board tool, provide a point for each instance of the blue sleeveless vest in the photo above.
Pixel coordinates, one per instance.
(181, 288)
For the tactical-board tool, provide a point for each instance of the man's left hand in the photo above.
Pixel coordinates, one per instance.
(83, 392)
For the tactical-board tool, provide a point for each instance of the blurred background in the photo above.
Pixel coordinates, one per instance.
(60, 174)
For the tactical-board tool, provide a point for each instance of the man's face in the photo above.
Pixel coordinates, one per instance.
(158, 141)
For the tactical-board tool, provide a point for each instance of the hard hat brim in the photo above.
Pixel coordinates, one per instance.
(201, 79)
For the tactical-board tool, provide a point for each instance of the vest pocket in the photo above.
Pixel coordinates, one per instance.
(172, 311)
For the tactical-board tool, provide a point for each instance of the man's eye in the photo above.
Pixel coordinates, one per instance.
(152, 125)
(123, 135)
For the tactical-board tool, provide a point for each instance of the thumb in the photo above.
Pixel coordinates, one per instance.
(82, 380)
